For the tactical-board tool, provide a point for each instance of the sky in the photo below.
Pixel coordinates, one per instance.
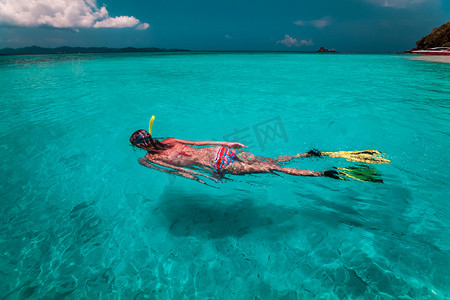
(263, 25)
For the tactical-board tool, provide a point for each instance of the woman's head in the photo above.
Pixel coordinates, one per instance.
(142, 139)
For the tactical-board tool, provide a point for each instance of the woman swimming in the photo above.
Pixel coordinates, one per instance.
(180, 157)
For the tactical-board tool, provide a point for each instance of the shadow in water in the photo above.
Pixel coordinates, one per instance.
(212, 216)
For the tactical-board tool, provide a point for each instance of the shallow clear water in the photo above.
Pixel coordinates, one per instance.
(80, 218)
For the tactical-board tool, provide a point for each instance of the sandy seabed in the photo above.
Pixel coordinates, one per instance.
(433, 58)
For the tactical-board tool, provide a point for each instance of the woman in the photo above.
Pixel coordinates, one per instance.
(178, 156)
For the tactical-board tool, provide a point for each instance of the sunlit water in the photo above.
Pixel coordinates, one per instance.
(80, 218)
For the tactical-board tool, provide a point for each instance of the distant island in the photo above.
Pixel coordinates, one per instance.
(73, 50)
(439, 37)
(323, 50)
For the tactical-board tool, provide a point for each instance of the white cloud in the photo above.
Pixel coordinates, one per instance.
(143, 26)
(395, 3)
(62, 14)
(117, 22)
(306, 42)
(289, 41)
(320, 23)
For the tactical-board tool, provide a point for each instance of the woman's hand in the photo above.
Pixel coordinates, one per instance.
(236, 145)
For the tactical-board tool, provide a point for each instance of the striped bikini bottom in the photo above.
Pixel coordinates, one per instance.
(224, 157)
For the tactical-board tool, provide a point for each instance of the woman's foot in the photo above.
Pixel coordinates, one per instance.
(314, 152)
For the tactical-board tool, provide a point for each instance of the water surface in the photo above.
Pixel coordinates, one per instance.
(82, 219)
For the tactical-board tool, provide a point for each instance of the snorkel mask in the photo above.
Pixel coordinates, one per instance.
(141, 138)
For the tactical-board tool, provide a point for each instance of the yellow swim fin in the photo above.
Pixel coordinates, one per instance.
(366, 156)
(361, 173)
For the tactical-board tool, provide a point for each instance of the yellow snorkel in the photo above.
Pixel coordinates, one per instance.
(150, 125)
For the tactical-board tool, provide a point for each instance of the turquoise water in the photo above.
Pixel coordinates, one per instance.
(80, 218)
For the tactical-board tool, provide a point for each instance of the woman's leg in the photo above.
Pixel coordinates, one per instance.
(243, 167)
(311, 153)
(251, 158)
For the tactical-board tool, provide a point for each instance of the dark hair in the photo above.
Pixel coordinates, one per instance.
(142, 139)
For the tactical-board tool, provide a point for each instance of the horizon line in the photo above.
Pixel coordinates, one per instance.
(130, 49)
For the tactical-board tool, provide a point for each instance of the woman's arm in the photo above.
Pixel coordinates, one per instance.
(206, 143)
(175, 169)
(180, 173)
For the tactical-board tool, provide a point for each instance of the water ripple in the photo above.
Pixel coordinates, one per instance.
(82, 219)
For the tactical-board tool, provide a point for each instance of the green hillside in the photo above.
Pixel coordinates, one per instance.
(439, 37)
